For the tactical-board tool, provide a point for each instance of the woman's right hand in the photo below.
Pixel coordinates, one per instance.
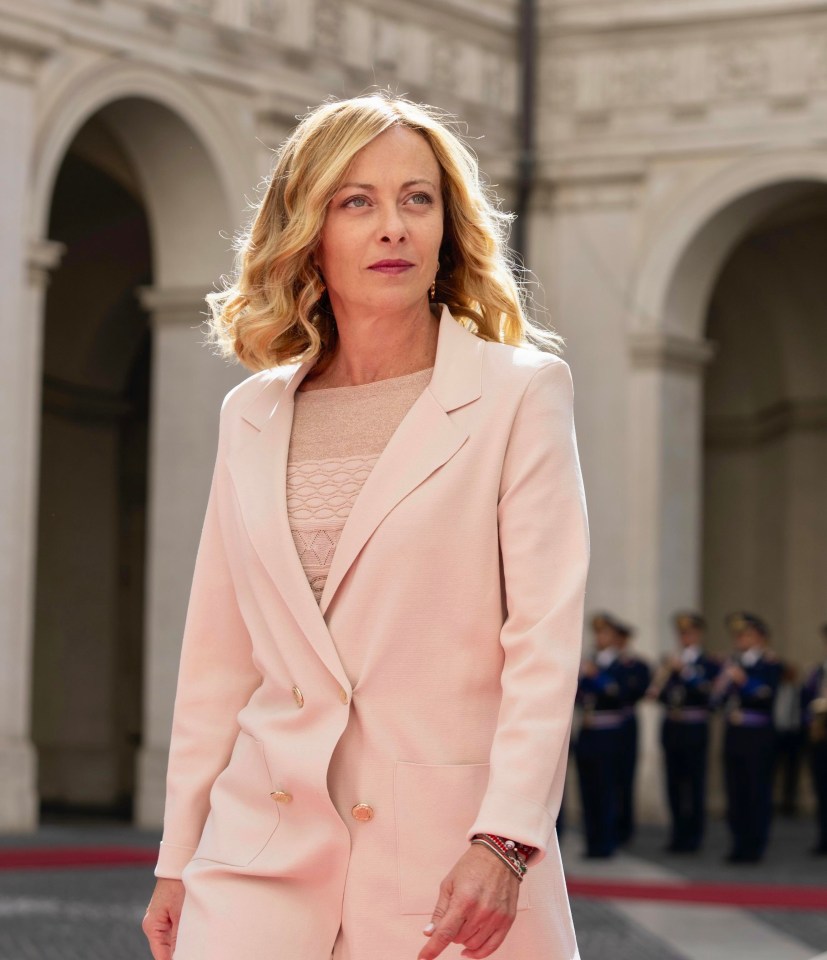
(160, 923)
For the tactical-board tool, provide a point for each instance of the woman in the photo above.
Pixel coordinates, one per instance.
(381, 648)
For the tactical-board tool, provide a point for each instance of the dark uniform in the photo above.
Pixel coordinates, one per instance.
(597, 751)
(749, 742)
(636, 679)
(814, 715)
(686, 692)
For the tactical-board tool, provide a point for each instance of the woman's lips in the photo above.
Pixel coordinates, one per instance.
(391, 267)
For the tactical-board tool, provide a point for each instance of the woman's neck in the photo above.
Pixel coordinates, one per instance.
(379, 347)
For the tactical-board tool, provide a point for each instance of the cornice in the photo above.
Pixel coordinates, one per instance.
(73, 401)
(588, 184)
(567, 18)
(173, 306)
(669, 351)
(23, 46)
(687, 90)
(44, 258)
(327, 46)
(789, 416)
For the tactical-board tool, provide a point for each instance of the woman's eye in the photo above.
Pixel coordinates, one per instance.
(355, 202)
(421, 198)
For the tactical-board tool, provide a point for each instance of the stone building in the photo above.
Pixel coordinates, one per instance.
(676, 218)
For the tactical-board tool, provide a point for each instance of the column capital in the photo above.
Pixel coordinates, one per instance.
(43, 259)
(173, 306)
(669, 351)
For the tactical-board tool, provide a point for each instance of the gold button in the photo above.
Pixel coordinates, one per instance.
(298, 696)
(343, 695)
(362, 811)
(281, 796)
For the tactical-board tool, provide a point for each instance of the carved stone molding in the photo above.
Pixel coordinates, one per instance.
(329, 26)
(789, 416)
(669, 351)
(44, 257)
(265, 15)
(780, 68)
(21, 54)
(174, 305)
(739, 69)
(607, 182)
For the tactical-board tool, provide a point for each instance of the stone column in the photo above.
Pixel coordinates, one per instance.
(19, 451)
(20, 366)
(188, 385)
(665, 519)
(580, 241)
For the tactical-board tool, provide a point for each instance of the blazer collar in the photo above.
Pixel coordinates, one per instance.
(426, 438)
(456, 379)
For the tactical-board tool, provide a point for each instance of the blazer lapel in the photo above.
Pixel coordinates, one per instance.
(425, 439)
(259, 472)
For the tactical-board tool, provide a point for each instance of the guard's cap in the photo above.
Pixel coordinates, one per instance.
(688, 620)
(742, 620)
(604, 619)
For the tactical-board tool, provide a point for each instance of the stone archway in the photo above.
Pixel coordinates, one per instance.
(670, 351)
(89, 597)
(765, 452)
(671, 346)
(190, 171)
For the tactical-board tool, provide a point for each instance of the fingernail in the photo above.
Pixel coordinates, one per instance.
(429, 928)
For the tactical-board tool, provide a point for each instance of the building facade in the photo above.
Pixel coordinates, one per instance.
(677, 230)
(676, 224)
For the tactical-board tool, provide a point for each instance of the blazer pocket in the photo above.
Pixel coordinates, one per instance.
(243, 816)
(434, 805)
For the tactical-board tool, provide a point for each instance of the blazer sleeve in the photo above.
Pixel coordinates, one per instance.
(544, 548)
(216, 677)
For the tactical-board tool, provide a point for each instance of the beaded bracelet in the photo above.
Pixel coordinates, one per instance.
(511, 853)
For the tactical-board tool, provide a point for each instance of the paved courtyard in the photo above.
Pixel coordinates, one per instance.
(94, 912)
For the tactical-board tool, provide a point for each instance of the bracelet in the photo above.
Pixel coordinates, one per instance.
(523, 850)
(512, 854)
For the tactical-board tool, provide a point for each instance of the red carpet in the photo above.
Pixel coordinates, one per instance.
(785, 897)
(22, 858)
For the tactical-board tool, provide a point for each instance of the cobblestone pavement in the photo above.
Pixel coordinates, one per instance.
(94, 913)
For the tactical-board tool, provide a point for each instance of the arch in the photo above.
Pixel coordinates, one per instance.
(686, 247)
(155, 114)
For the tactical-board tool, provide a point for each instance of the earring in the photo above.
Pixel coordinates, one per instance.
(433, 285)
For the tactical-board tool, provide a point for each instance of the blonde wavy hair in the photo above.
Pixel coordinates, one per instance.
(276, 310)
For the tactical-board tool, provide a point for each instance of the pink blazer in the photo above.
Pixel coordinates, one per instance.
(309, 819)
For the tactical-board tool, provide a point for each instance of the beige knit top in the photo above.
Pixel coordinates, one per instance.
(337, 436)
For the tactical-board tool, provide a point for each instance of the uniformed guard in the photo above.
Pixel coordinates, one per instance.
(600, 697)
(814, 714)
(747, 687)
(683, 684)
(637, 675)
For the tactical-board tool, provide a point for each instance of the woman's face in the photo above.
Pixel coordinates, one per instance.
(380, 241)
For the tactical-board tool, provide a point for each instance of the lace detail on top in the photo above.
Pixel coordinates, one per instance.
(338, 435)
(324, 489)
(315, 548)
(320, 495)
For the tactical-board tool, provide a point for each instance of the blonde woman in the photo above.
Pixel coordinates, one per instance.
(381, 650)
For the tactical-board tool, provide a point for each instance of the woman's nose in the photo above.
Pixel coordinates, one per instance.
(392, 225)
